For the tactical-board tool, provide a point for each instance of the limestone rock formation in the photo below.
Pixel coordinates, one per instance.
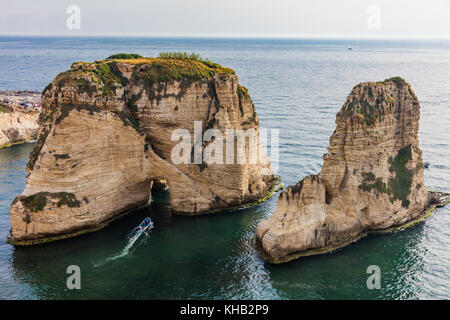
(105, 141)
(17, 126)
(371, 179)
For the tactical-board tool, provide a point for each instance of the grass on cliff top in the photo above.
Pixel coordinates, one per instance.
(168, 66)
(368, 112)
(393, 79)
(369, 107)
(399, 80)
(125, 56)
(156, 70)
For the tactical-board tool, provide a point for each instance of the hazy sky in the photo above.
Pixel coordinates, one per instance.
(235, 18)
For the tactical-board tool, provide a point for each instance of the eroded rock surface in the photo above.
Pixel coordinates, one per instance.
(19, 113)
(105, 141)
(371, 179)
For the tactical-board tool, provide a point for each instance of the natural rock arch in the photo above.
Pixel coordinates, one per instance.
(105, 134)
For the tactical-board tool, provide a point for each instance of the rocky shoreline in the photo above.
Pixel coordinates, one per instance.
(19, 113)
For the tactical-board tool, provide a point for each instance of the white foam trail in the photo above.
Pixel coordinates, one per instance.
(127, 248)
(132, 238)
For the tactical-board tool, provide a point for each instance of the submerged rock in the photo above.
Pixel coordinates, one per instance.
(105, 141)
(371, 179)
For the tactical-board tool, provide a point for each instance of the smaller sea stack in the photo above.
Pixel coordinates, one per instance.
(371, 179)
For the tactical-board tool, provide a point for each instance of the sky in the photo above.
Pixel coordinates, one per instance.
(228, 18)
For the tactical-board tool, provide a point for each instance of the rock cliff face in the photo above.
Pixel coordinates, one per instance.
(105, 140)
(17, 126)
(371, 179)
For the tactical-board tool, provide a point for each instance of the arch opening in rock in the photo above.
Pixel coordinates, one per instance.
(114, 122)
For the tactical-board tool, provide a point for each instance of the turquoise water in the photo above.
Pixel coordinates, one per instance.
(297, 86)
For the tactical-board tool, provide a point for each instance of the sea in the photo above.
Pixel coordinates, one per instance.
(298, 86)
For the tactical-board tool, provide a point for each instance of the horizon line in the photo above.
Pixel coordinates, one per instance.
(232, 36)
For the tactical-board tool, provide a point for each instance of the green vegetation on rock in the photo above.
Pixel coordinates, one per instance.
(157, 70)
(398, 187)
(66, 108)
(369, 105)
(242, 92)
(189, 56)
(377, 184)
(109, 76)
(66, 199)
(3, 109)
(365, 110)
(125, 56)
(249, 121)
(85, 86)
(37, 148)
(168, 66)
(47, 88)
(179, 55)
(131, 103)
(105, 75)
(393, 79)
(37, 202)
(129, 120)
(401, 184)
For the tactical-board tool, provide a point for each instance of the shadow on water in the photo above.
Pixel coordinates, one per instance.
(89, 251)
(183, 257)
(212, 257)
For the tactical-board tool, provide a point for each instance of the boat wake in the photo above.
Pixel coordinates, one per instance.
(133, 237)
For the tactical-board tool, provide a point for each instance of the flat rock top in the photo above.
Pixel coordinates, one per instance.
(368, 101)
(153, 70)
(102, 78)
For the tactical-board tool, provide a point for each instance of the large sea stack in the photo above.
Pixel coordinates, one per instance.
(371, 179)
(105, 139)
